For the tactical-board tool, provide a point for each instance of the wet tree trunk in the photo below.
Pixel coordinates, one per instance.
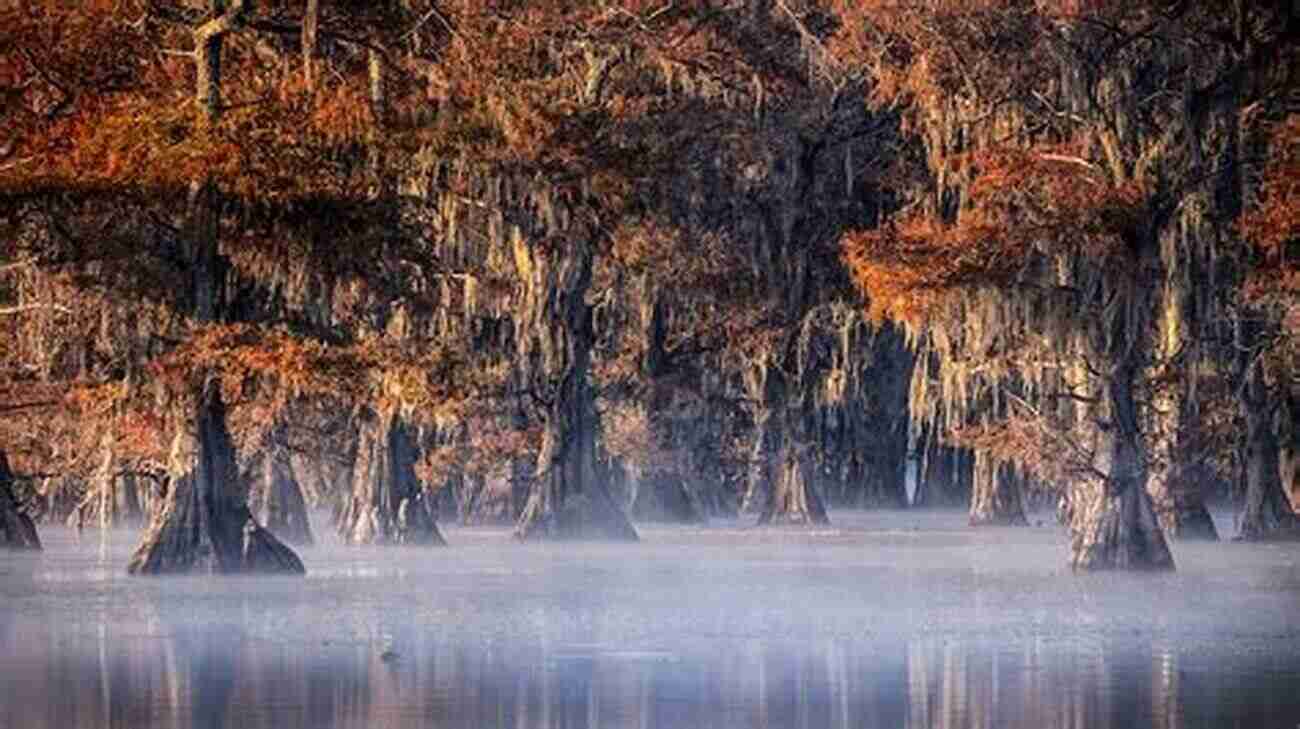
(388, 504)
(995, 494)
(1113, 523)
(282, 508)
(205, 525)
(16, 528)
(1266, 512)
(568, 498)
(663, 495)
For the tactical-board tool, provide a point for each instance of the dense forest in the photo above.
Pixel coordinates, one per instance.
(576, 264)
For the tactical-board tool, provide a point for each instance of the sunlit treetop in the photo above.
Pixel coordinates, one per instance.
(1024, 207)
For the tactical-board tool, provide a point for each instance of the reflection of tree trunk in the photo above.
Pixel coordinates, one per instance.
(213, 672)
(389, 505)
(205, 524)
(1266, 513)
(16, 528)
(995, 494)
(1113, 524)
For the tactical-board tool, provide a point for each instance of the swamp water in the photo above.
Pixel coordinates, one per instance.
(888, 619)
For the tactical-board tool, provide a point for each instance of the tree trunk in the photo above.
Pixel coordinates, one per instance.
(663, 495)
(282, 508)
(310, 26)
(388, 505)
(1178, 496)
(16, 528)
(1178, 485)
(1266, 512)
(1113, 523)
(782, 470)
(205, 525)
(763, 469)
(568, 498)
(995, 494)
(794, 499)
(944, 474)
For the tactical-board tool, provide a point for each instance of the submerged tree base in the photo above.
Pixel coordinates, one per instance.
(205, 525)
(582, 517)
(1195, 524)
(1116, 531)
(1015, 518)
(1277, 527)
(996, 498)
(388, 504)
(17, 531)
(175, 546)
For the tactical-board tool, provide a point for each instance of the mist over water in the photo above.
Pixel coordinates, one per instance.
(885, 619)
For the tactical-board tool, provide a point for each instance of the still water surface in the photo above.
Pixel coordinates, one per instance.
(885, 620)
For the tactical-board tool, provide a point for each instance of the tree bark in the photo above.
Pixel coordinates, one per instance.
(1266, 513)
(388, 505)
(568, 498)
(205, 525)
(17, 531)
(995, 494)
(794, 499)
(281, 506)
(1113, 523)
(663, 495)
(208, 41)
(944, 474)
(781, 485)
(1178, 496)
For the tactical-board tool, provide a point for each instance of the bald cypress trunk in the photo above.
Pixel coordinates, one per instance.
(388, 504)
(205, 525)
(793, 498)
(16, 528)
(280, 503)
(781, 486)
(1266, 512)
(995, 494)
(566, 500)
(1113, 523)
(568, 497)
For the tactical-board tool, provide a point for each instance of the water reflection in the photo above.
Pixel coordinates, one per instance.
(163, 672)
